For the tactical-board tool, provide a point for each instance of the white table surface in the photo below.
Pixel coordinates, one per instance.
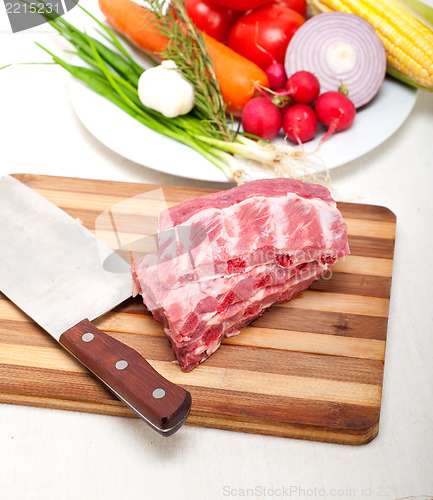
(52, 454)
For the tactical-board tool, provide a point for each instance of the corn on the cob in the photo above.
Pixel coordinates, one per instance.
(407, 41)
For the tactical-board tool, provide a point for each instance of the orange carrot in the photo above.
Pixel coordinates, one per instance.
(237, 76)
(135, 22)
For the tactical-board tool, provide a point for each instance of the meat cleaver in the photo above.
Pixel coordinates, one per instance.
(50, 267)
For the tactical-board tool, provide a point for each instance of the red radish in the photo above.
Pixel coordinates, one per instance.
(261, 117)
(275, 72)
(303, 87)
(300, 123)
(335, 111)
(282, 101)
(276, 75)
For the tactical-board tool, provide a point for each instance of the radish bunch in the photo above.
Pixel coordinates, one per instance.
(297, 108)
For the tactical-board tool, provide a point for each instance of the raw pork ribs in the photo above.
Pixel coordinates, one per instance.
(222, 259)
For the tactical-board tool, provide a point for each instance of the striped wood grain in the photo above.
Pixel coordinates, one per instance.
(309, 368)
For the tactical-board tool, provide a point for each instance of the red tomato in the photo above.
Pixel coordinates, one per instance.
(271, 27)
(241, 4)
(214, 20)
(298, 5)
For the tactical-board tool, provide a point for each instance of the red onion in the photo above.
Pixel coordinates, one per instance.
(342, 50)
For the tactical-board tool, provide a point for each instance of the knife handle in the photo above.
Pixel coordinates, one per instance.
(162, 404)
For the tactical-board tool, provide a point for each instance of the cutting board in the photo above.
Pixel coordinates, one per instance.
(310, 368)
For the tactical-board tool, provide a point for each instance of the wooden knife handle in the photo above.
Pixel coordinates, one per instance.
(162, 404)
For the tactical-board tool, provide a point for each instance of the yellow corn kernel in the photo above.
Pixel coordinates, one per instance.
(408, 43)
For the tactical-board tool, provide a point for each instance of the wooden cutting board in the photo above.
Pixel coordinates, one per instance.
(310, 368)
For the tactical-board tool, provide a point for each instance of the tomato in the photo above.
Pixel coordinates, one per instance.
(241, 4)
(214, 20)
(271, 27)
(298, 5)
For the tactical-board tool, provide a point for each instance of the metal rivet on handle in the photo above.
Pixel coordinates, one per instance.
(121, 364)
(87, 337)
(158, 393)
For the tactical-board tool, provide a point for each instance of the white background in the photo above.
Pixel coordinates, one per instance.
(51, 454)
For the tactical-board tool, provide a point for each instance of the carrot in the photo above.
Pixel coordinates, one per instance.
(237, 76)
(135, 22)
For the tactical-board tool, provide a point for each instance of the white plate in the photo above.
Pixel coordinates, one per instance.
(124, 135)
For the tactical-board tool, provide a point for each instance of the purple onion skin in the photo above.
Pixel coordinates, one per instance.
(317, 34)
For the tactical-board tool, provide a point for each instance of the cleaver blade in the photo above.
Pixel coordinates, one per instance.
(51, 268)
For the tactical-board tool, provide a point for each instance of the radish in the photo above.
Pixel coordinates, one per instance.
(303, 87)
(275, 72)
(335, 111)
(300, 123)
(276, 75)
(260, 117)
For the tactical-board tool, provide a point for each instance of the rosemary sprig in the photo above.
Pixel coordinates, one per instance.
(187, 49)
